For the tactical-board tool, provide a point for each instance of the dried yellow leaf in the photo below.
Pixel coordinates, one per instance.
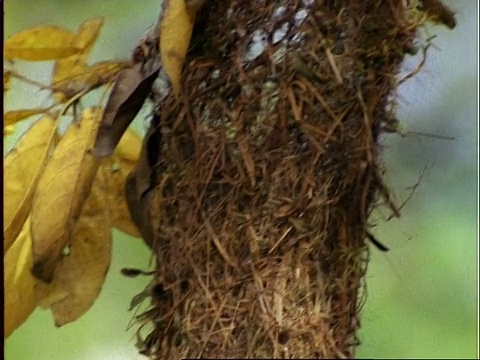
(76, 65)
(61, 193)
(88, 33)
(90, 78)
(14, 116)
(105, 71)
(41, 43)
(117, 174)
(80, 275)
(23, 166)
(120, 213)
(175, 33)
(20, 300)
(117, 168)
(129, 147)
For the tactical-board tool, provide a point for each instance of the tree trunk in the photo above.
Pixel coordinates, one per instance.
(266, 172)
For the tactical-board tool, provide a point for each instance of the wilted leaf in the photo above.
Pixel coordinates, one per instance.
(175, 33)
(20, 300)
(41, 43)
(80, 275)
(61, 193)
(14, 116)
(23, 166)
(130, 91)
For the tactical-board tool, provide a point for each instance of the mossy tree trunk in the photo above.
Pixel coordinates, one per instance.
(268, 170)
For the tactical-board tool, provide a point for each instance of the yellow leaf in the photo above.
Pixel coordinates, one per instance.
(41, 43)
(129, 147)
(22, 168)
(105, 71)
(14, 116)
(120, 214)
(117, 172)
(76, 65)
(80, 275)
(88, 33)
(20, 300)
(61, 193)
(92, 77)
(175, 32)
(118, 167)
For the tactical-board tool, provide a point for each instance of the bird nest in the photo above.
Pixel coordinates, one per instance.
(267, 170)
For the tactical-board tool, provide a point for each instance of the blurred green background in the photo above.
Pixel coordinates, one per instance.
(421, 296)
